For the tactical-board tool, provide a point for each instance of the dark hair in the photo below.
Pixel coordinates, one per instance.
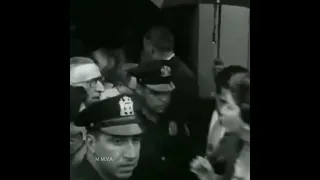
(161, 38)
(94, 132)
(118, 55)
(240, 88)
(77, 96)
(223, 77)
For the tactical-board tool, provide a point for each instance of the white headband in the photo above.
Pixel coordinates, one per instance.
(83, 73)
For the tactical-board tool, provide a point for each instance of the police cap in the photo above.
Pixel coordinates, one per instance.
(156, 75)
(114, 116)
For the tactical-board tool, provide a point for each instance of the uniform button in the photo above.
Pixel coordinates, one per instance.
(163, 158)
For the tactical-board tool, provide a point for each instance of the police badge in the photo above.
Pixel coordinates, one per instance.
(126, 106)
(165, 71)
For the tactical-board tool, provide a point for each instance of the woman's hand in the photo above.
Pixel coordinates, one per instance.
(202, 168)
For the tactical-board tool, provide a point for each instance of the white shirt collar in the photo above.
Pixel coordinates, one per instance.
(214, 119)
(170, 57)
(82, 107)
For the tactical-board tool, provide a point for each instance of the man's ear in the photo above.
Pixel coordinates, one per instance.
(91, 142)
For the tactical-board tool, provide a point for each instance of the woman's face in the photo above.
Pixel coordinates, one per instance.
(230, 113)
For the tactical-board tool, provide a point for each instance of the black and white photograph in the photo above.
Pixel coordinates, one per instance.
(159, 89)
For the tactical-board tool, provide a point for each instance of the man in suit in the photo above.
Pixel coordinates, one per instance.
(112, 140)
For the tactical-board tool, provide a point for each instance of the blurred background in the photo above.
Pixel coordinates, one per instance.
(122, 23)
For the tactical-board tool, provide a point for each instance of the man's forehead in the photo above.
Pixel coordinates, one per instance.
(83, 73)
(127, 130)
(98, 78)
(107, 135)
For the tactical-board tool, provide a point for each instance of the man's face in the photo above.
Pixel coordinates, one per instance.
(157, 101)
(120, 154)
(94, 88)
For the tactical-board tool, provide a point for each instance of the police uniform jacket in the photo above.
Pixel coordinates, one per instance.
(163, 156)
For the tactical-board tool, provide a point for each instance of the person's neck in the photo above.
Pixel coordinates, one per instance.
(91, 159)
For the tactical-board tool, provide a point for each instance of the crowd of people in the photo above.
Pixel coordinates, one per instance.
(146, 121)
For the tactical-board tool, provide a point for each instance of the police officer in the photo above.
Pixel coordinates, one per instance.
(85, 89)
(165, 150)
(112, 140)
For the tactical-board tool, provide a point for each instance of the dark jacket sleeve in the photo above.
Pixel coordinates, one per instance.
(185, 95)
(77, 96)
(185, 79)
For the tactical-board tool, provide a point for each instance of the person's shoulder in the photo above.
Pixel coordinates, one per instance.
(181, 66)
